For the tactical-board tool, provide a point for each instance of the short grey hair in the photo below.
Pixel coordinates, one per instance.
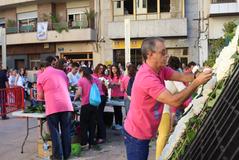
(149, 44)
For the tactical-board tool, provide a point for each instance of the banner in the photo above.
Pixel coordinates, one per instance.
(42, 30)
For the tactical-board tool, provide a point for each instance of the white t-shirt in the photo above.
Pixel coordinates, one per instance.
(12, 80)
(21, 81)
(73, 79)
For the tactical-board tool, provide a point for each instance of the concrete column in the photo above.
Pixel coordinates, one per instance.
(127, 40)
(4, 48)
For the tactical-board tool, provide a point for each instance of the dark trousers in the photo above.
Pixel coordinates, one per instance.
(118, 112)
(118, 115)
(61, 143)
(101, 129)
(3, 99)
(136, 149)
(88, 118)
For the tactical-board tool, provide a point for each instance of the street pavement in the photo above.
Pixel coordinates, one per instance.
(13, 132)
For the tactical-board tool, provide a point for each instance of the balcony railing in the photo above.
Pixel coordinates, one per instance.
(224, 1)
(28, 28)
(59, 27)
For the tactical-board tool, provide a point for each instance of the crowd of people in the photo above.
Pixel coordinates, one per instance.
(142, 89)
(53, 81)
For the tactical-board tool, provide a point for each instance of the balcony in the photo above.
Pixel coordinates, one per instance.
(150, 28)
(217, 9)
(13, 2)
(57, 32)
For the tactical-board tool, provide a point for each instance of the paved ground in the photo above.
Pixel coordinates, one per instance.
(13, 131)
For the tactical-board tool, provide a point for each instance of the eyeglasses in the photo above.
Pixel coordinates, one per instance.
(163, 52)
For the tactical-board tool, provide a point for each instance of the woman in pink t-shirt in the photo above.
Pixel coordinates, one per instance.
(116, 93)
(101, 129)
(88, 114)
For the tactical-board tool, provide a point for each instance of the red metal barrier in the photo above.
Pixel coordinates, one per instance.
(11, 99)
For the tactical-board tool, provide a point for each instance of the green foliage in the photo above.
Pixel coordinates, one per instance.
(11, 23)
(58, 25)
(236, 57)
(194, 124)
(46, 136)
(218, 44)
(35, 109)
(75, 149)
(72, 88)
(229, 29)
(90, 15)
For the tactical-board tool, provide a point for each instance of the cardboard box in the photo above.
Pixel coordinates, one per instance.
(40, 148)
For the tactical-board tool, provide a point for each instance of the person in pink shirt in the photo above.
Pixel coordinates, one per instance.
(99, 73)
(116, 93)
(149, 95)
(88, 113)
(52, 86)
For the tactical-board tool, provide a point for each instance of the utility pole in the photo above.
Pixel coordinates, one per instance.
(127, 40)
(4, 50)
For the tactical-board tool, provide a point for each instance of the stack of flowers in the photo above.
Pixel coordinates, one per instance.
(187, 127)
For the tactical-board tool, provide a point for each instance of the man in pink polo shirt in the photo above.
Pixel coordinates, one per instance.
(149, 94)
(52, 86)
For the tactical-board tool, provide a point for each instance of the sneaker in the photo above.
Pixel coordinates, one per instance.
(100, 141)
(85, 147)
(118, 127)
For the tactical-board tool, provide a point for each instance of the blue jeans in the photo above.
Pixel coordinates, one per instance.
(136, 149)
(61, 143)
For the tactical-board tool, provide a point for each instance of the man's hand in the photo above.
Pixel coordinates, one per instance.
(203, 77)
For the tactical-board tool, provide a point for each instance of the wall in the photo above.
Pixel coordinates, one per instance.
(105, 47)
(74, 47)
(30, 49)
(216, 25)
(44, 11)
(26, 8)
(11, 60)
(191, 7)
(61, 11)
(8, 14)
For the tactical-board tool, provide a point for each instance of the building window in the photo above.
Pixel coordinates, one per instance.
(145, 3)
(128, 7)
(2, 22)
(164, 5)
(86, 58)
(119, 56)
(152, 6)
(118, 4)
(34, 61)
(27, 25)
(78, 20)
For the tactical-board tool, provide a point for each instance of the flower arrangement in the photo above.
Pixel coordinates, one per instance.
(187, 127)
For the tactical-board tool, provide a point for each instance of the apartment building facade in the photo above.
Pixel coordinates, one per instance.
(70, 34)
(173, 20)
(213, 15)
(70, 30)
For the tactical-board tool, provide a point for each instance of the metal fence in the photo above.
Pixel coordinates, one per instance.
(11, 99)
